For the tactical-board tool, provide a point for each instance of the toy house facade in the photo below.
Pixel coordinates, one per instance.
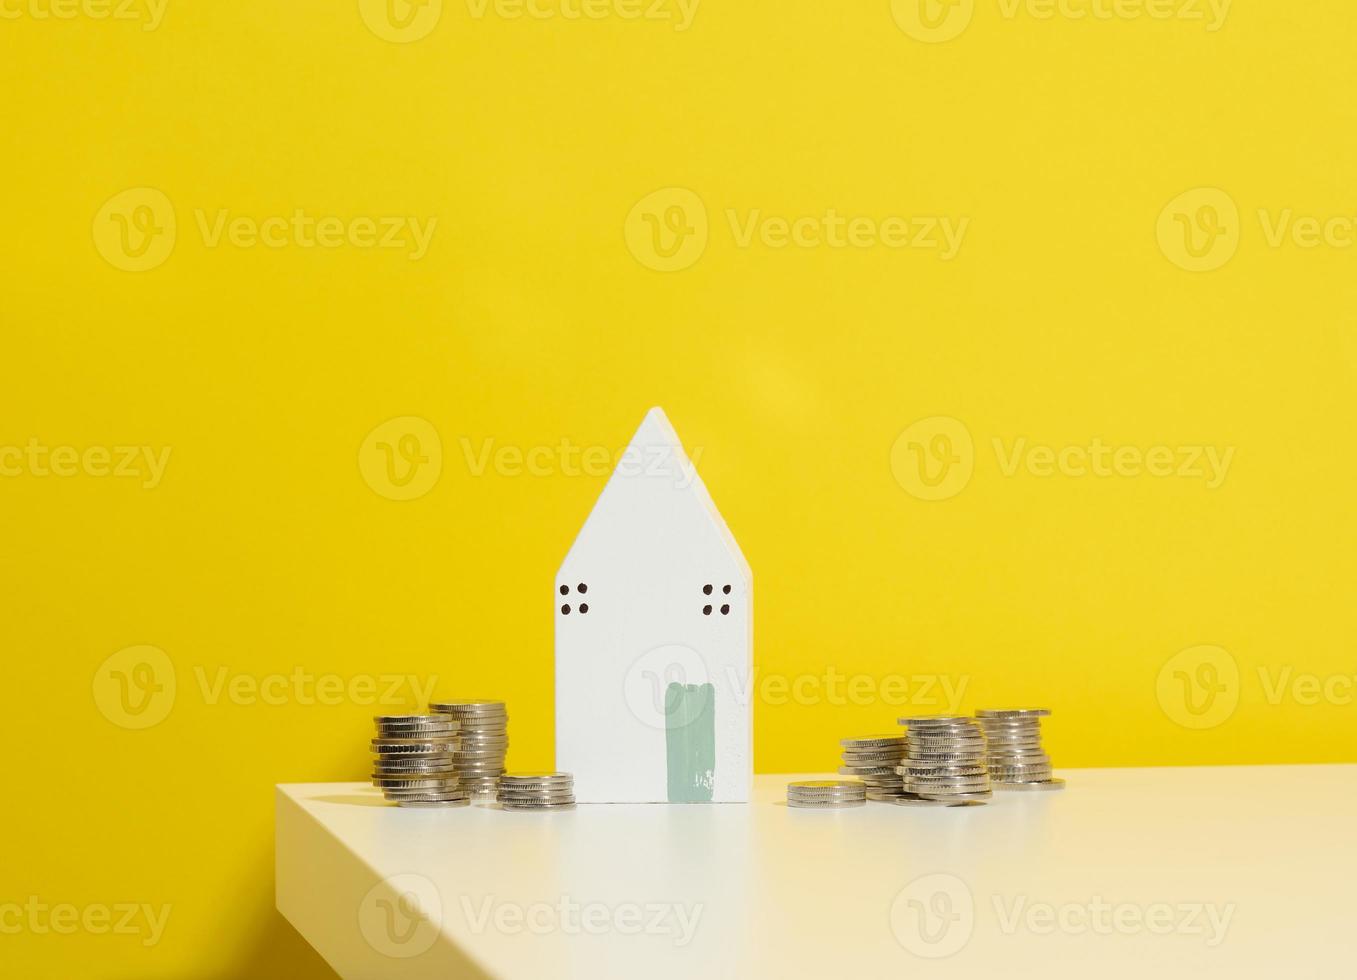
(654, 638)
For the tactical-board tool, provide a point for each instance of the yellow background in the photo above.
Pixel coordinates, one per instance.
(530, 321)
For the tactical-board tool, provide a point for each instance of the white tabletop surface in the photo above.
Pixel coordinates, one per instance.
(1222, 872)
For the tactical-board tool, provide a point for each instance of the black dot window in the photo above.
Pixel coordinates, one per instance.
(583, 588)
(708, 589)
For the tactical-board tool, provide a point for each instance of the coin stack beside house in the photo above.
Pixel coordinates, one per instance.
(945, 762)
(484, 733)
(1016, 757)
(826, 794)
(537, 791)
(873, 759)
(415, 763)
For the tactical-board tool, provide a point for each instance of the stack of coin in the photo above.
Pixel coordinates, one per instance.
(826, 794)
(944, 761)
(873, 759)
(537, 791)
(1016, 758)
(416, 764)
(485, 740)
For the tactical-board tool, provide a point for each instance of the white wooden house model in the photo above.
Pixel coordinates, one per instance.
(654, 638)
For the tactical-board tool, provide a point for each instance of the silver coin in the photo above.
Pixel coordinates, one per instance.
(1038, 769)
(395, 795)
(1013, 713)
(926, 736)
(982, 777)
(470, 706)
(933, 737)
(871, 743)
(936, 789)
(418, 719)
(444, 769)
(536, 790)
(447, 774)
(823, 784)
(414, 734)
(1033, 786)
(432, 804)
(909, 799)
(537, 800)
(439, 722)
(946, 760)
(433, 743)
(947, 781)
(411, 782)
(537, 806)
(424, 759)
(562, 786)
(793, 800)
(421, 747)
(508, 780)
(957, 796)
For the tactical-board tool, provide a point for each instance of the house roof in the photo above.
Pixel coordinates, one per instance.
(655, 487)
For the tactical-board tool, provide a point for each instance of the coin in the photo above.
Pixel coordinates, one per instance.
(963, 797)
(871, 741)
(1015, 755)
(1036, 786)
(535, 790)
(412, 782)
(408, 748)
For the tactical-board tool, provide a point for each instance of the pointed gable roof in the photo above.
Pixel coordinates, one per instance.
(655, 500)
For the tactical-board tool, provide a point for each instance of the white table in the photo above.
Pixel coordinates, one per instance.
(1220, 872)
